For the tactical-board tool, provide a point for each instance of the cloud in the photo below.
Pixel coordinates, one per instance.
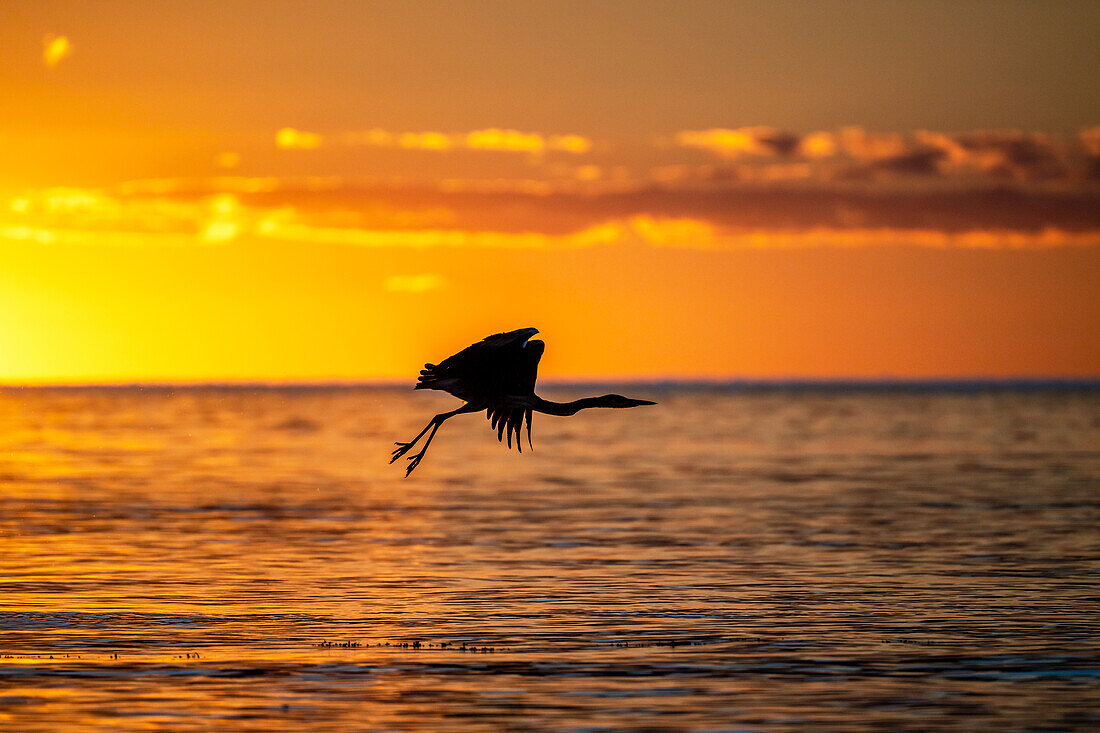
(758, 141)
(489, 139)
(227, 160)
(867, 146)
(818, 145)
(730, 143)
(588, 172)
(424, 141)
(570, 143)
(292, 139)
(854, 153)
(1026, 156)
(506, 140)
(750, 213)
(55, 49)
(1090, 140)
(415, 284)
(991, 154)
(924, 162)
(767, 155)
(376, 137)
(682, 233)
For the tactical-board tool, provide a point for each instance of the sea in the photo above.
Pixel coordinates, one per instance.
(738, 557)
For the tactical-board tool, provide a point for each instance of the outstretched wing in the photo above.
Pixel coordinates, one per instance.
(498, 366)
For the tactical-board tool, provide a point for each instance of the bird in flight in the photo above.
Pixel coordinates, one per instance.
(497, 374)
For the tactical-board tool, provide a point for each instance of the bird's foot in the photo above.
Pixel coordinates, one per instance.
(402, 449)
(414, 461)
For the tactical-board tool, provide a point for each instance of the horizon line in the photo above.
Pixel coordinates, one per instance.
(948, 382)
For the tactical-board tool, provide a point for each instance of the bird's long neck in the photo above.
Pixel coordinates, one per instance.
(565, 409)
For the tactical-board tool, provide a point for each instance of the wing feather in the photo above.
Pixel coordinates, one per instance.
(499, 365)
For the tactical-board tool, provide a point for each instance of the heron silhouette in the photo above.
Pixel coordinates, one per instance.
(497, 374)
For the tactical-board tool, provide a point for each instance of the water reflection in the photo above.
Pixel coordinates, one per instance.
(746, 560)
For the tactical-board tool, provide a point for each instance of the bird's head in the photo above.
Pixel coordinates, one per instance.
(617, 400)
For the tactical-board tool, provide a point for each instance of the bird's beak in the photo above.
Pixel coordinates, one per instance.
(639, 403)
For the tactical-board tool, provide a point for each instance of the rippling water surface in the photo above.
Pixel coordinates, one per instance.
(746, 560)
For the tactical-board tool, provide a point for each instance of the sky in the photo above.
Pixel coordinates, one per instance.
(285, 191)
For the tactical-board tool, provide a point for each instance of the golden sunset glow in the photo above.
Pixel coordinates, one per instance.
(324, 202)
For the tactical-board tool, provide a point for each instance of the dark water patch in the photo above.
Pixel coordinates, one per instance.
(771, 665)
(298, 424)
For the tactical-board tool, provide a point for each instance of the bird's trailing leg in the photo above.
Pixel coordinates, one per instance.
(433, 425)
(403, 448)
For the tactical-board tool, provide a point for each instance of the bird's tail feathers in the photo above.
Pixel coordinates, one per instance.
(428, 377)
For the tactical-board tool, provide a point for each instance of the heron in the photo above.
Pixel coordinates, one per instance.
(497, 374)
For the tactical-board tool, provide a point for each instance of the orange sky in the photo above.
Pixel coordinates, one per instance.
(282, 192)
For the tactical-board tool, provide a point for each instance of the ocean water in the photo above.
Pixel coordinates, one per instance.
(731, 559)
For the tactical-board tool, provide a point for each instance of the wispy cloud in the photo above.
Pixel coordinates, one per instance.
(55, 49)
(725, 142)
(507, 140)
(570, 143)
(292, 139)
(414, 284)
(766, 155)
(424, 141)
(488, 139)
(760, 141)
